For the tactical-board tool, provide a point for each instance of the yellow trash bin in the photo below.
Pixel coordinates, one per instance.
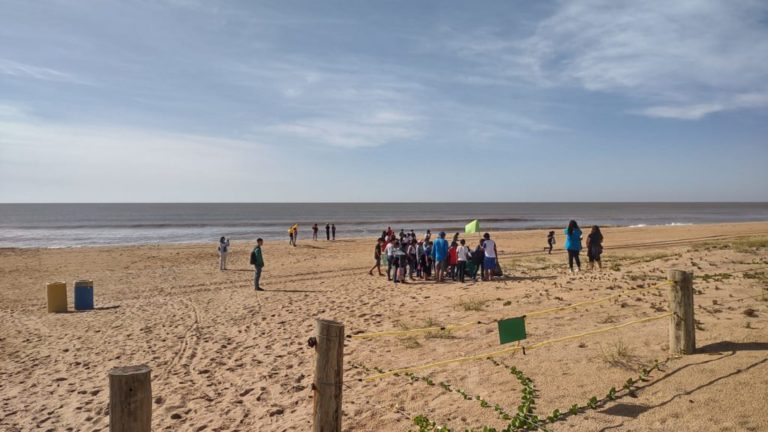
(57, 296)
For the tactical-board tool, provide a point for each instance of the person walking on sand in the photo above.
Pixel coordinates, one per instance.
(333, 231)
(440, 256)
(573, 244)
(314, 232)
(377, 257)
(491, 257)
(223, 249)
(551, 241)
(595, 247)
(257, 260)
(327, 232)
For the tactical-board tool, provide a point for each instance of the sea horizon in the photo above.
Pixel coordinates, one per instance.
(54, 225)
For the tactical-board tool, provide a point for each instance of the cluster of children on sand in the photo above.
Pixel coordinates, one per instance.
(407, 257)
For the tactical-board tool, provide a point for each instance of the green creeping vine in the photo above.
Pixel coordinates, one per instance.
(594, 403)
(525, 419)
(449, 388)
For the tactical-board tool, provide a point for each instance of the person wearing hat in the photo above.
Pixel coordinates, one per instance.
(440, 255)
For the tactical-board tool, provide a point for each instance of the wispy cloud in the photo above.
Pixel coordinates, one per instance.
(678, 55)
(698, 111)
(23, 70)
(71, 162)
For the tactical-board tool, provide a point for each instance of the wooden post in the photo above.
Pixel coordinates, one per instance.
(130, 399)
(329, 372)
(682, 327)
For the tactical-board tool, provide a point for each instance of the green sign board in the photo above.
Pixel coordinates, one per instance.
(511, 330)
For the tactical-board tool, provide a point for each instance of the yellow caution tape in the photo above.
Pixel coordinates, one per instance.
(528, 315)
(512, 349)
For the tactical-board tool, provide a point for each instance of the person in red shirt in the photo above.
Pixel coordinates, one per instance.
(453, 260)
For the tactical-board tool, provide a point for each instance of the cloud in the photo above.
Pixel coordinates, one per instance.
(698, 111)
(366, 130)
(76, 162)
(22, 70)
(345, 104)
(676, 56)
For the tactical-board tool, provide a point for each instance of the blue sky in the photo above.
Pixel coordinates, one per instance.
(186, 100)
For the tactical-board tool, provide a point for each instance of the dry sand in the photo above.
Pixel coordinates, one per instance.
(226, 358)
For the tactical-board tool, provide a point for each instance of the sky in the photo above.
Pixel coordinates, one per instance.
(383, 101)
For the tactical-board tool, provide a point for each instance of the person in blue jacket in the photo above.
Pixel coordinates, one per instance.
(440, 256)
(573, 244)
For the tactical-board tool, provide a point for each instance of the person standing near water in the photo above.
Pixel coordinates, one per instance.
(573, 244)
(314, 232)
(327, 232)
(595, 247)
(223, 249)
(551, 241)
(333, 231)
(257, 260)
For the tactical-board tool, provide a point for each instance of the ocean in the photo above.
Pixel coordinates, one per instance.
(74, 225)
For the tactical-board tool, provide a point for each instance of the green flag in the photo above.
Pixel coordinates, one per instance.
(472, 227)
(511, 330)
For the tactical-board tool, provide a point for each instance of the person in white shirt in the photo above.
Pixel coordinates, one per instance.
(463, 256)
(390, 251)
(223, 249)
(491, 257)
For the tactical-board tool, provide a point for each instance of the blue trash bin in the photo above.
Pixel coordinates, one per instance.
(83, 295)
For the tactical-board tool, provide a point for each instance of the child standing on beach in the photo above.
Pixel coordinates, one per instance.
(491, 257)
(595, 247)
(463, 255)
(573, 244)
(314, 232)
(257, 260)
(390, 252)
(453, 260)
(551, 241)
(223, 249)
(478, 256)
(377, 257)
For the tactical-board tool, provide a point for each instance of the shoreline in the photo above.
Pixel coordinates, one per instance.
(302, 240)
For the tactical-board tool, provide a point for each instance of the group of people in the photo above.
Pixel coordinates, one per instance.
(293, 233)
(573, 237)
(257, 259)
(407, 257)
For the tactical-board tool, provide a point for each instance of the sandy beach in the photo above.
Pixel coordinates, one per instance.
(226, 358)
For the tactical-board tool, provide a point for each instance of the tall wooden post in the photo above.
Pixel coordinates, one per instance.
(130, 399)
(682, 327)
(329, 372)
